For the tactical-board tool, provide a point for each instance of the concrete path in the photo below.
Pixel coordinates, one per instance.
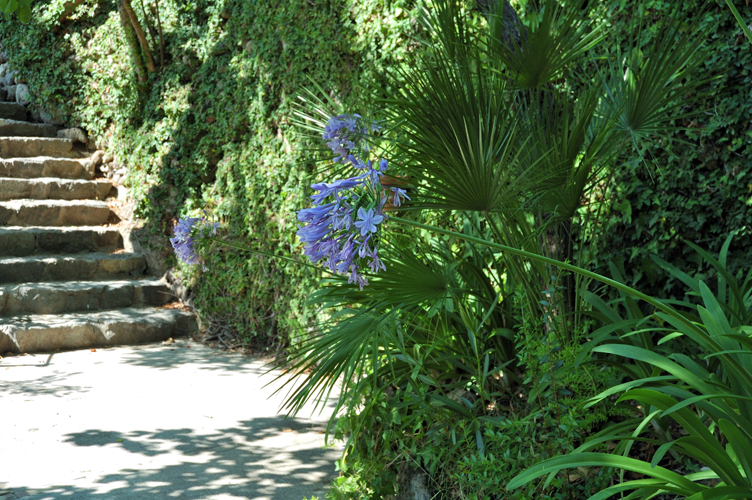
(151, 422)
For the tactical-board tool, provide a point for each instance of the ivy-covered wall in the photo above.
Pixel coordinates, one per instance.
(698, 187)
(212, 128)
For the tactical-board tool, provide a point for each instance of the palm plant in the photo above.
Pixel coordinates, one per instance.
(495, 141)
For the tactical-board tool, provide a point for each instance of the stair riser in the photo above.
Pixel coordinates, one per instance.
(86, 335)
(46, 215)
(25, 129)
(13, 189)
(70, 268)
(24, 147)
(20, 243)
(31, 299)
(30, 168)
(12, 111)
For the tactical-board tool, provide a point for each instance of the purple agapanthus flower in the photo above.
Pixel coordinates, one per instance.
(185, 238)
(341, 133)
(333, 189)
(368, 221)
(342, 230)
(399, 196)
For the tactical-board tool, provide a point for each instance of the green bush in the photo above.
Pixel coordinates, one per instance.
(212, 129)
(697, 186)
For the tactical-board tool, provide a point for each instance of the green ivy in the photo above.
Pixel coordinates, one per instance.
(214, 129)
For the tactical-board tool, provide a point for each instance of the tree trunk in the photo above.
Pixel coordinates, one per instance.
(140, 34)
(130, 38)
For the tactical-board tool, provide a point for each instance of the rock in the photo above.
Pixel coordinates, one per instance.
(4, 56)
(10, 78)
(22, 94)
(49, 118)
(121, 171)
(3, 70)
(11, 92)
(96, 158)
(415, 489)
(3, 94)
(75, 134)
(107, 158)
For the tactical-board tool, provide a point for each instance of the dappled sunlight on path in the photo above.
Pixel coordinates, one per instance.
(163, 421)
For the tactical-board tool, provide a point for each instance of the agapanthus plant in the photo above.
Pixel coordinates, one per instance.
(342, 230)
(187, 232)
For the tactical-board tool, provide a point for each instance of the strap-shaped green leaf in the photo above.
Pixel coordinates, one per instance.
(724, 493)
(686, 486)
(741, 446)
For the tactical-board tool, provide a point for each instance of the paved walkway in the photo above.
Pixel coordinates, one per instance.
(151, 422)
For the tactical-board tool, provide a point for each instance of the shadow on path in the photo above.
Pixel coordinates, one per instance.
(237, 462)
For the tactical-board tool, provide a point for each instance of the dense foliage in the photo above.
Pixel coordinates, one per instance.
(212, 129)
(487, 354)
(697, 186)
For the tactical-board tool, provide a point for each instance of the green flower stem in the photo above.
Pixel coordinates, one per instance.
(260, 252)
(562, 265)
(697, 334)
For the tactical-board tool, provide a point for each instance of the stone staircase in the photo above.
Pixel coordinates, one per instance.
(69, 276)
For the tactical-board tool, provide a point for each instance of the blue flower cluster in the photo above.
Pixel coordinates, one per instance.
(342, 228)
(341, 133)
(184, 241)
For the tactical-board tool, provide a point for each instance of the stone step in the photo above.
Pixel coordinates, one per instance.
(23, 241)
(41, 333)
(26, 129)
(54, 189)
(86, 266)
(12, 147)
(72, 296)
(53, 213)
(46, 166)
(12, 111)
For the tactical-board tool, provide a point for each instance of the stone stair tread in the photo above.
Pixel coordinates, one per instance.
(91, 256)
(70, 267)
(11, 147)
(57, 297)
(53, 188)
(46, 166)
(11, 127)
(84, 284)
(20, 241)
(48, 332)
(26, 212)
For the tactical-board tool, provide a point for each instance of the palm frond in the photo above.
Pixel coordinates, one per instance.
(563, 34)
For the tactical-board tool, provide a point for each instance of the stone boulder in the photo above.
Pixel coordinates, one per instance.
(75, 134)
(23, 97)
(11, 89)
(49, 118)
